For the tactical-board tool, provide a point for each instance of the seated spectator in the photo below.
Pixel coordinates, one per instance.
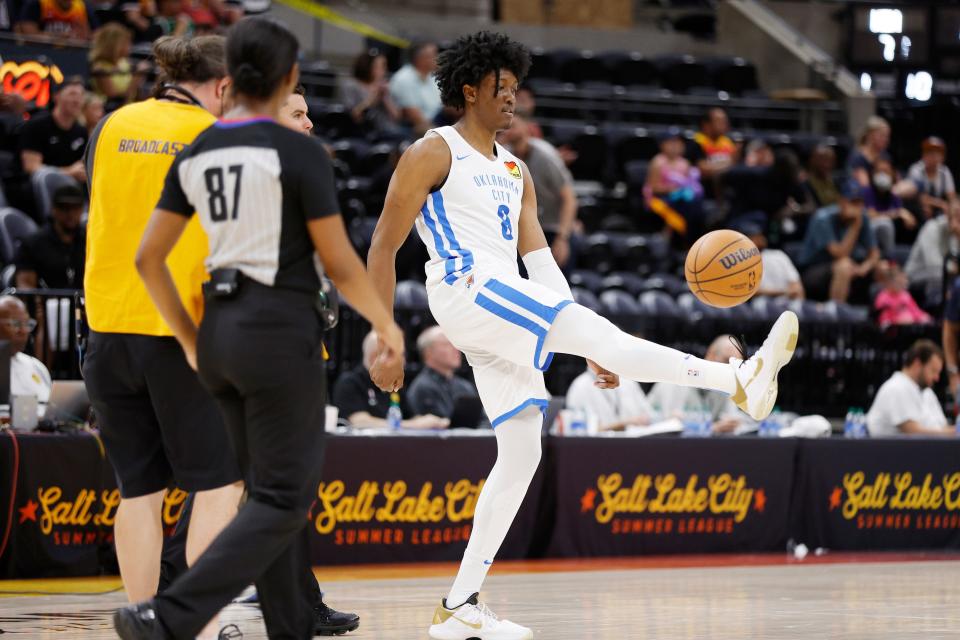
(839, 250)
(367, 95)
(28, 376)
(758, 154)
(937, 239)
(714, 152)
(111, 74)
(673, 189)
(93, 112)
(414, 90)
(885, 208)
(873, 143)
(437, 389)
(53, 256)
(936, 191)
(556, 200)
(906, 404)
(364, 405)
(171, 20)
(138, 16)
(820, 186)
(780, 277)
(57, 139)
(613, 409)
(894, 304)
(673, 401)
(66, 19)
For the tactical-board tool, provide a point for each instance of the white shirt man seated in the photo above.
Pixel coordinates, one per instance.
(905, 404)
(613, 409)
(28, 376)
(672, 401)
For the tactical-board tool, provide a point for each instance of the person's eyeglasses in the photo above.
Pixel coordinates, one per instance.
(29, 325)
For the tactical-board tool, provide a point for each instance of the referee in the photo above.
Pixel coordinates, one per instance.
(265, 197)
(159, 425)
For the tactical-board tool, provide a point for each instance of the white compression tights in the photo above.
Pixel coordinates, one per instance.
(518, 455)
(575, 331)
(581, 332)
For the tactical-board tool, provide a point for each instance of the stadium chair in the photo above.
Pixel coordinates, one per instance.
(767, 308)
(598, 252)
(375, 157)
(636, 173)
(679, 73)
(633, 145)
(542, 65)
(319, 80)
(411, 295)
(734, 75)
(351, 151)
(696, 310)
(630, 69)
(628, 281)
(335, 122)
(590, 213)
(617, 302)
(45, 181)
(900, 253)
(586, 298)
(14, 226)
(660, 305)
(793, 250)
(352, 209)
(584, 67)
(852, 313)
(644, 254)
(590, 145)
(361, 233)
(8, 277)
(618, 223)
(589, 280)
(667, 282)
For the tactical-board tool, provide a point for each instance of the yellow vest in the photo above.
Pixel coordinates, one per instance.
(131, 157)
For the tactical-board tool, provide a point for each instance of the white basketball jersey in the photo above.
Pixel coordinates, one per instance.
(471, 221)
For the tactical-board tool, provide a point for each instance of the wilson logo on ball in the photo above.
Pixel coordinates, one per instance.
(733, 259)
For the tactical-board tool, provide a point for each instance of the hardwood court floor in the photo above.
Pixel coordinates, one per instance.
(871, 597)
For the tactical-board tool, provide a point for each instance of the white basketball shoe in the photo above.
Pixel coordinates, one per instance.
(474, 621)
(757, 377)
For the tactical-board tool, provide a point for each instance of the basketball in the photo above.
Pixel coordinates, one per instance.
(723, 268)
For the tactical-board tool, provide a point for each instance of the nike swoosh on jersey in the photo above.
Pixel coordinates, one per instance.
(463, 157)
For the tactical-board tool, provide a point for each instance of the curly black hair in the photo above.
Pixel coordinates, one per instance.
(473, 57)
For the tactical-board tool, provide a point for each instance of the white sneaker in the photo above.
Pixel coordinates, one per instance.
(757, 377)
(474, 621)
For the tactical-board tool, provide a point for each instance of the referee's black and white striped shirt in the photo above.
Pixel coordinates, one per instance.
(255, 184)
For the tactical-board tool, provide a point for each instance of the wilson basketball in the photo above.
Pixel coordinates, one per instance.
(723, 268)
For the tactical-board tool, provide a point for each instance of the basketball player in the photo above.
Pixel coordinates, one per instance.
(266, 199)
(475, 208)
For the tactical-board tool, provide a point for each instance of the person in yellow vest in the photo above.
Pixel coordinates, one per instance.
(159, 424)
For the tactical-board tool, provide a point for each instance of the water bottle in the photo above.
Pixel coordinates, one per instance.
(862, 431)
(578, 423)
(691, 424)
(775, 421)
(394, 414)
(849, 424)
(706, 424)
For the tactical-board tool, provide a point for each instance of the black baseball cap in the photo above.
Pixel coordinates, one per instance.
(68, 196)
(851, 190)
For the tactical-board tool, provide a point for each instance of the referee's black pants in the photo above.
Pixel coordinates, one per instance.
(260, 355)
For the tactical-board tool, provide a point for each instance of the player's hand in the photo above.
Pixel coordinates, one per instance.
(605, 379)
(428, 421)
(387, 369)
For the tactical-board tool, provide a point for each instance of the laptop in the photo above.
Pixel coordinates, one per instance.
(68, 402)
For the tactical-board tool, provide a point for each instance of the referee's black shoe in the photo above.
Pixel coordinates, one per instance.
(138, 622)
(330, 622)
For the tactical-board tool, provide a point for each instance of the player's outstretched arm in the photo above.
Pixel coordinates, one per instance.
(422, 168)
